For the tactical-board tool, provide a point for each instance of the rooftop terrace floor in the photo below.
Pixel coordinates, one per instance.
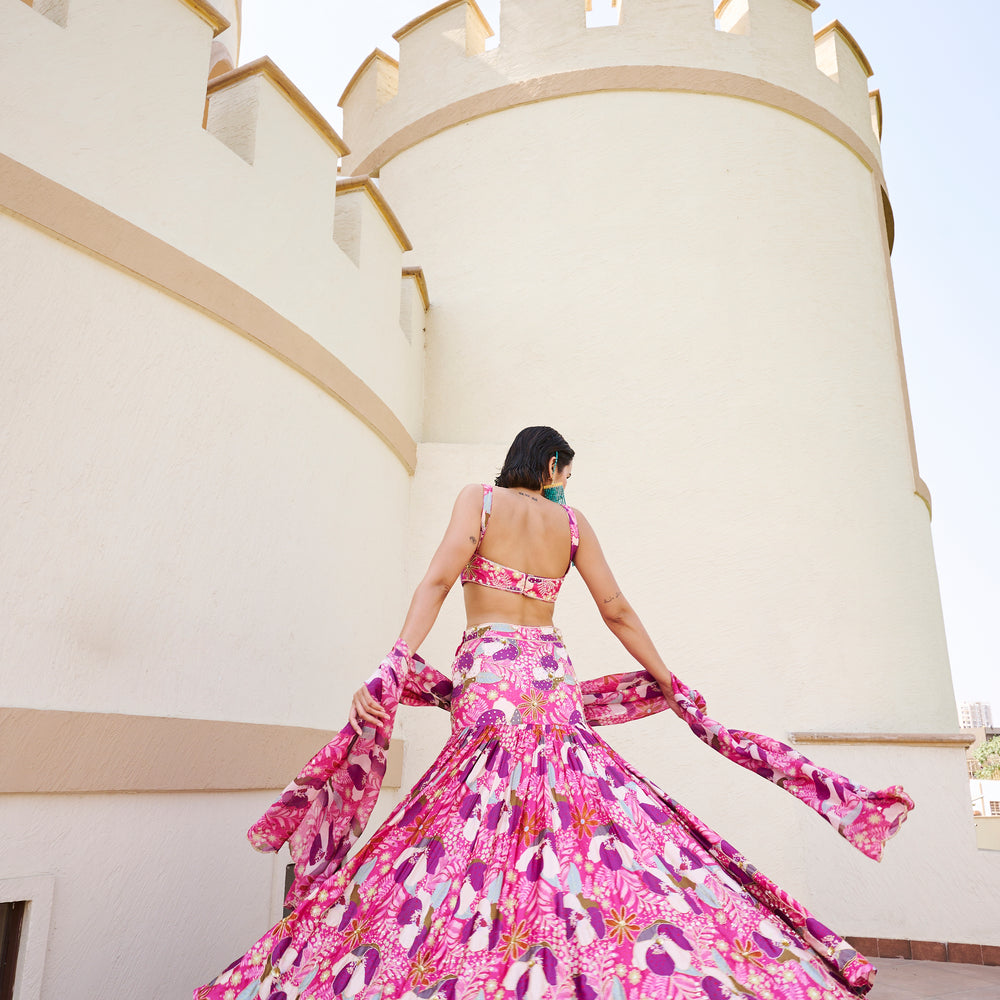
(900, 979)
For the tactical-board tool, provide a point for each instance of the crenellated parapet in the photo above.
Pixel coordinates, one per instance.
(456, 25)
(763, 50)
(238, 175)
(235, 116)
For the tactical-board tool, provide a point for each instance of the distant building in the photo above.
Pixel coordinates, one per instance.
(975, 714)
(985, 798)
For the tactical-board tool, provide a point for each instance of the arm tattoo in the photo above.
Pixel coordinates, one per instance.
(616, 594)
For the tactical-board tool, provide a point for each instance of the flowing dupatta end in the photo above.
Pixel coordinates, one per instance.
(325, 808)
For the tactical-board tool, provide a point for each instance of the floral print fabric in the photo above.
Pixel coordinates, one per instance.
(488, 573)
(531, 860)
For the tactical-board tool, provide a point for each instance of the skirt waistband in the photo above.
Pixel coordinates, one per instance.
(538, 633)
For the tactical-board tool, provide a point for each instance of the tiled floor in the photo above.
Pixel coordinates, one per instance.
(899, 979)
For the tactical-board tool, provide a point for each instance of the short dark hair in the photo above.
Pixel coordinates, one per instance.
(527, 461)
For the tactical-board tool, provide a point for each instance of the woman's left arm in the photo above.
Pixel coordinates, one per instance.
(456, 549)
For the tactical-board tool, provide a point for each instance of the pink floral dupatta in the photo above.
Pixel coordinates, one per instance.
(323, 812)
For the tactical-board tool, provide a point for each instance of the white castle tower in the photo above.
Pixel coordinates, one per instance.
(235, 416)
(670, 238)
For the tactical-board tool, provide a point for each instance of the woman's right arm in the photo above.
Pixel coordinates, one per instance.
(616, 611)
(459, 543)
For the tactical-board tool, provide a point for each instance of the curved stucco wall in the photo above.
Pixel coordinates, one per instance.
(445, 74)
(211, 365)
(149, 895)
(695, 289)
(181, 536)
(702, 306)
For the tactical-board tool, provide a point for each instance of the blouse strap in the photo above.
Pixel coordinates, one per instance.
(487, 510)
(574, 535)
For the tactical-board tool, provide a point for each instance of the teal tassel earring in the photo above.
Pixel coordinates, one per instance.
(557, 494)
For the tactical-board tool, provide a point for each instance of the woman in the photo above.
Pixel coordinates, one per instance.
(526, 530)
(530, 860)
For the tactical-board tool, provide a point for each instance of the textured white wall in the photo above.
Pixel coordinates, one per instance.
(932, 877)
(180, 536)
(153, 893)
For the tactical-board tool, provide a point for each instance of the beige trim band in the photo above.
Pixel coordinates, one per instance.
(264, 66)
(612, 78)
(892, 739)
(71, 217)
(440, 9)
(347, 184)
(218, 69)
(215, 18)
(55, 752)
(376, 54)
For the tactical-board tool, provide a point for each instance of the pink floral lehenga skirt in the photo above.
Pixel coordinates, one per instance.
(532, 861)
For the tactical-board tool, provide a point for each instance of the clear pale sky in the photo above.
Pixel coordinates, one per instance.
(934, 63)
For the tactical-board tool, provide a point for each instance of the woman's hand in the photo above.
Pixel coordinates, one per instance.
(365, 707)
(672, 704)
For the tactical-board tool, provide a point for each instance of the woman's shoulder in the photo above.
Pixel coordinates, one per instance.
(469, 497)
(582, 524)
(472, 493)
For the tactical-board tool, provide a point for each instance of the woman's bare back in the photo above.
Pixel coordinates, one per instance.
(525, 532)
